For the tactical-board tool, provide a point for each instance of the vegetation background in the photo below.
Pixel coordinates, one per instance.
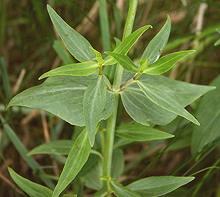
(29, 47)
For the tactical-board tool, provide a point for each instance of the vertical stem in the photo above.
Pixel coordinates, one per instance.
(109, 137)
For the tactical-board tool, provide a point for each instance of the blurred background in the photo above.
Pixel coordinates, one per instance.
(29, 47)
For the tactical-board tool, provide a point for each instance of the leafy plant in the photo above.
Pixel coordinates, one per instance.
(83, 95)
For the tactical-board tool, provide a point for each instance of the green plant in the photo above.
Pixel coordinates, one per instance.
(82, 95)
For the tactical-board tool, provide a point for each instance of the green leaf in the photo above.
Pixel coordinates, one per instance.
(124, 61)
(29, 187)
(208, 113)
(137, 132)
(156, 45)
(166, 99)
(167, 62)
(76, 159)
(158, 185)
(61, 96)
(62, 52)
(121, 191)
(92, 179)
(93, 105)
(118, 163)
(143, 110)
(58, 147)
(217, 42)
(76, 69)
(76, 44)
(124, 46)
(22, 150)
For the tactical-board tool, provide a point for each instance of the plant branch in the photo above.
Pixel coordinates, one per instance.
(111, 123)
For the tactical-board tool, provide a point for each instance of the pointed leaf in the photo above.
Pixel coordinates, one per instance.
(158, 185)
(156, 45)
(138, 132)
(77, 69)
(124, 46)
(124, 61)
(166, 99)
(208, 113)
(143, 110)
(93, 104)
(76, 159)
(121, 191)
(58, 147)
(76, 44)
(61, 96)
(167, 62)
(29, 187)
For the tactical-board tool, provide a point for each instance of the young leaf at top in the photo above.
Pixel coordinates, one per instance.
(61, 96)
(121, 191)
(76, 69)
(29, 187)
(76, 159)
(124, 61)
(166, 62)
(137, 132)
(93, 104)
(124, 46)
(208, 113)
(158, 185)
(156, 45)
(166, 99)
(75, 43)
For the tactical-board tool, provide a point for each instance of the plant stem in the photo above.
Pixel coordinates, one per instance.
(111, 123)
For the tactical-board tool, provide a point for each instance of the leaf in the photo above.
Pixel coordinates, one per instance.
(158, 185)
(124, 61)
(117, 163)
(124, 46)
(92, 179)
(93, 105)
(62, 52)
(61, 96)
(58, 147)
(22, 150)
(75, 43)
(208, 113)
(167, 62)
(217, 42)
(137, 132)
(76, 159)
(121, 191)
(156, 45)
(29, 187)
(166, 99)
(76, 69)
(143, 110)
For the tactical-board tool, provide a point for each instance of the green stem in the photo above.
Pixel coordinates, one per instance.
(111, 123)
